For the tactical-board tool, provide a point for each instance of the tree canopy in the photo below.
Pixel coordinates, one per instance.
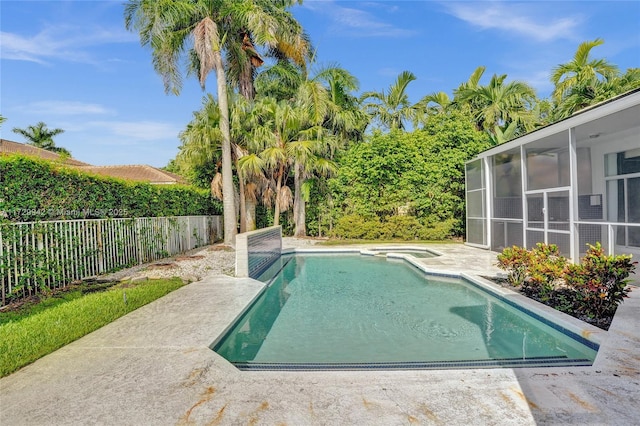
(41, 136)
(317, 157)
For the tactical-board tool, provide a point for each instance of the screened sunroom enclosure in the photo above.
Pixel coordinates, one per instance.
(573, 183)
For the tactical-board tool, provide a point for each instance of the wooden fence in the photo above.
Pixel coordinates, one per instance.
(36, 256)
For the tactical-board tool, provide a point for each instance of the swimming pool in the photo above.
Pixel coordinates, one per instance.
(350, 311)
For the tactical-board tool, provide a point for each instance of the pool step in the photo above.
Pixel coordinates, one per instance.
(560, 361)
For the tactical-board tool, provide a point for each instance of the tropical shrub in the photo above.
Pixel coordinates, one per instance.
(536, 271)
(590, 290)
(392, 228)
(545, 271)
(600, 281)
(357, 227)
(515, 260)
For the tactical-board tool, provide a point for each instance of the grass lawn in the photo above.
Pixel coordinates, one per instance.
(35, 330)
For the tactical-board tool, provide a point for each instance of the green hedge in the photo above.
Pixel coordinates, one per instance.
(403, 184)
(36, 190)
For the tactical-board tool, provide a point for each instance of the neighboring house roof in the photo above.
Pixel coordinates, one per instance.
(138, 173)
(10, 147)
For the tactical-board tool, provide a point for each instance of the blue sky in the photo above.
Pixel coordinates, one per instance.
(73, 65)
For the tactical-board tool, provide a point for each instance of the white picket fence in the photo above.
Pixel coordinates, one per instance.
(47, 255)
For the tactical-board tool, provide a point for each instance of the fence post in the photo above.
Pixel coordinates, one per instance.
(100, 247)
(3, 267)
(611, 239)
(137, 236)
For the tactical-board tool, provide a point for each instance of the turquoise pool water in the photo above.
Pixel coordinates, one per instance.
(352, 311)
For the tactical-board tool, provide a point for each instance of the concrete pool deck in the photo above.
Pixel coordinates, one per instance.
(154, 367)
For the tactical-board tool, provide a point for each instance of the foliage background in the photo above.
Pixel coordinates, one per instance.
(403, 184)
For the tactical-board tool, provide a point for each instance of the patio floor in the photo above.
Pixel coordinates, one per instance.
(154, 367)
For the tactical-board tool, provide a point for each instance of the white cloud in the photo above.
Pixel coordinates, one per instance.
(514, 18)
(60, 43)
(388, 8)
(65, 108)
(356, 22)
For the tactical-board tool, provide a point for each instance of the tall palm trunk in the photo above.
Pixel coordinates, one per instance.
(276, 211)
(247, 205)
(246, 88)
(299, 211)
(228, 201)
(250, 215)
(243, 201)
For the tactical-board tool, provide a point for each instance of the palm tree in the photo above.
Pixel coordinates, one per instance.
(500, 135)
(280, 32)
(173, 28)
(432, 104)
(201, 146)
(2, 119)
(287, 41)
(286, 142)
(498, 104)
(581, 72)
(583, 95)
(279, 81)
(619, 84)
(391, 108)
(274, 125)
(199, 31)
(42, 137)
(472, 84)
(347, 120)
(438, 102)
(321, 115)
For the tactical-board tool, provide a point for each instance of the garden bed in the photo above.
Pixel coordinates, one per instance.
(590, 290)
(602, 322)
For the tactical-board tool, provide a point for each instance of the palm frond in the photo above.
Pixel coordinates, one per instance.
(285, 198)
(216, 186)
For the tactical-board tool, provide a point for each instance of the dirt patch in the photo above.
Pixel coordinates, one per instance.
(163, 265)
(220, 248)
(183, 258)
(14, 306)
(90, 286)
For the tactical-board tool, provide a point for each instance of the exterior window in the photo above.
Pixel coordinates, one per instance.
(547, 169)
(506, 221)
(622, 163)
(507, 178)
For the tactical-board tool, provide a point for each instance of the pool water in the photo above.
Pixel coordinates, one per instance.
(352, 311)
